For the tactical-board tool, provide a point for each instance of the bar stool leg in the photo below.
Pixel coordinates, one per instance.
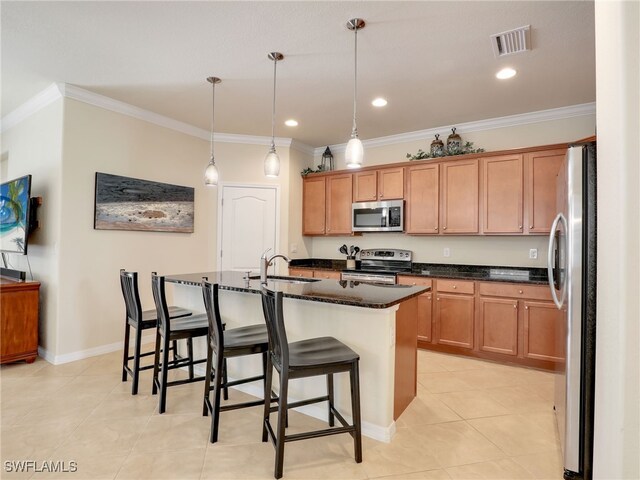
(282, 417)
(354, 376)
(190, 354)
(136, 362)
(125, 360)
(268, 381)
(207, 381)
(156, 364)
(330, 394)
(164, 376)
(215, 410)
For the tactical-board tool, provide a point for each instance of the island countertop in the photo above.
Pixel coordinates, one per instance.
(339, 292)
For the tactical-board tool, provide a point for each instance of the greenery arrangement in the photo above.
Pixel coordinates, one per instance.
(464, 149)
(308, 170)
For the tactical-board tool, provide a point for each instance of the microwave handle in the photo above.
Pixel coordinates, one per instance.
(384, 218)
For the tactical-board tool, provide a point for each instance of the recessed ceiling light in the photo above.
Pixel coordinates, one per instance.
(506, 73)
(379, 102)
(291, 123)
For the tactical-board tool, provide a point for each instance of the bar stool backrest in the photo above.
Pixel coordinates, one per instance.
(274, 318)
(212, 307)
(129, 285)
(157, 287)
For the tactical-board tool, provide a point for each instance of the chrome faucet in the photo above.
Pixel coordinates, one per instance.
(266, 262)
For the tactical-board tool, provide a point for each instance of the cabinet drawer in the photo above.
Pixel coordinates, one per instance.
(408, 280)
(455, 286)
(327, 274)
(496, 289)
(300, 272)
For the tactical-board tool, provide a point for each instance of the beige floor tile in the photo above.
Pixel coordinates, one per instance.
(87, 467)
(27, 386)
(119, 405)
(14, 407)
(544, 465)
(250, 461)
(179, 465)
(115, 436)
(439, 382)
(33, 442)
(520, 399)
(546, 390)
(455, 363)
(516, 434)
(426, 475)
(407, 453)
(429, 364)
(472, 404)
(169, 432)
(503, 469)
(426, 409)
(485, 378)
(457, 443)
(70, 369)
(83, 385)
(22, 369)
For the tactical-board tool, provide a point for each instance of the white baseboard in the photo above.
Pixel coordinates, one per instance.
(90, 352)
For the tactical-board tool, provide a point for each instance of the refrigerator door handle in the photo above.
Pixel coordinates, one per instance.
(550, 262)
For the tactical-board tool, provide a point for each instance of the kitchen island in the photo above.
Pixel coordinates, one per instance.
(376, 321)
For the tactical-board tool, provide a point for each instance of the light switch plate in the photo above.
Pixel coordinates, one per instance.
(533, 253)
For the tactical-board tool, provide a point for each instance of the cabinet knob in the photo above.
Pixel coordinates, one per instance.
(428, 297)
(438, 299)
(519, 291)
(444, 228)
(435, 228)
(520, 227)
(455, 286)
(515, 306)
(526, 307)
(381, 194)
(413, 283)
(530, 226)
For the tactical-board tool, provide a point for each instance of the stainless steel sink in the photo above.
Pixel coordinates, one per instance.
(283, 279)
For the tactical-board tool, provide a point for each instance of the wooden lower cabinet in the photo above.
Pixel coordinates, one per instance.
(497, 322)
(425, 306)
(327, 274)
(544, 331)
(500, 321)
(301, 272)
(454, 320)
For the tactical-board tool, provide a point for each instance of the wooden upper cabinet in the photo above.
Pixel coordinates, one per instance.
(541, 173)
(459, 196)
(391, 184)
(502, 194)
(313, 205)
(374, 185)
(338, 204)
(423, 197)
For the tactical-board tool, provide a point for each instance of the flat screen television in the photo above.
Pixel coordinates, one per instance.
(14, 215)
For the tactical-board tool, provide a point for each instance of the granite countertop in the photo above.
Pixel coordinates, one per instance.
(533, 276)
(327, 291)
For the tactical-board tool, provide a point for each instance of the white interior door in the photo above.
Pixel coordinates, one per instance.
(247, 226)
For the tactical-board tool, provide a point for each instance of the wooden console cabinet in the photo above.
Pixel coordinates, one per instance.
(18, 320)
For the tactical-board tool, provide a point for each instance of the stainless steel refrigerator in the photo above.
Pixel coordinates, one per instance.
(572, 278)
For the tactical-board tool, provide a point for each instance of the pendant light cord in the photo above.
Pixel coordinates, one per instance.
(354, 130)
(273, 108)
(213, 106)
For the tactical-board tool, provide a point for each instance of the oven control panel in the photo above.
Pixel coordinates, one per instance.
(388, 254)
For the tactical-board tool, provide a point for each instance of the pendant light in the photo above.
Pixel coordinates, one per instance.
(354, 153)
(211, 172)
(272, 161)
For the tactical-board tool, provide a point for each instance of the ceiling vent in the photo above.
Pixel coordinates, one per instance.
(510, 42)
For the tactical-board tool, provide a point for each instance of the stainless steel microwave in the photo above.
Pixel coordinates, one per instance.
(378, 216)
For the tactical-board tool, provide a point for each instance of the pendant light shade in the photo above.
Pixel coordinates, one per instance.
(211, 172)
(272, 161)
(354, 154)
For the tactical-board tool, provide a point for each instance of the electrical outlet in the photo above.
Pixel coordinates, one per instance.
(294, 248)
(533, 253)
(447, 252)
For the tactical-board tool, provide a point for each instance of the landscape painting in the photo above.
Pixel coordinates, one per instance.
(124, 203)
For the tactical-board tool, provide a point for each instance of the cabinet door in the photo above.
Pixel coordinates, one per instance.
(391, 184)
(459, 197)
(497, 324)
(313, 205)
(544, 331)
(339, 194)
(454, 320)
(540, 200)
(425, 304)
(502, 194)
(365, 186)
(422, 199)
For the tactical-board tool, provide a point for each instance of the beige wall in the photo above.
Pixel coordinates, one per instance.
(477, 250)
(299, 246)
(34, 146)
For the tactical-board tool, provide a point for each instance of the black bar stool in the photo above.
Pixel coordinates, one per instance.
(139, 320)
(236, 342)
(168, 331)
(306, 358)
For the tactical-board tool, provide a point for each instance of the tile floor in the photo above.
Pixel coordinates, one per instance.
(471, 419)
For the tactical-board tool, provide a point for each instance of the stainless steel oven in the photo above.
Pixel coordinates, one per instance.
(378, 216)
(380, 265)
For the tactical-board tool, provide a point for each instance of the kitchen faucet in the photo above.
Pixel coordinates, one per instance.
(265, 262)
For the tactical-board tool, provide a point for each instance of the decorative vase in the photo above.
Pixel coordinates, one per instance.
(437, 147)
(454, 141)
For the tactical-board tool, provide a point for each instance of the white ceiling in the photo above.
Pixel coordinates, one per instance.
(433, 61)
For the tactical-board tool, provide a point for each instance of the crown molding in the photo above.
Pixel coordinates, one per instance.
(302, 147)
(478, 126)
(65, 90)
(31, 106)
